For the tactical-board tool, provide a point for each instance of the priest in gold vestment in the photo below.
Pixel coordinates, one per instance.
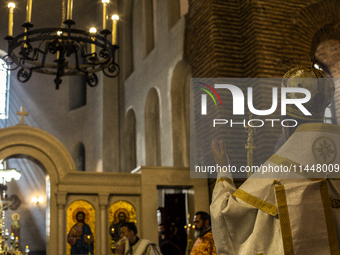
(292, 211)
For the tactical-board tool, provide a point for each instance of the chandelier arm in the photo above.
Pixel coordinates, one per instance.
(27, 64)
(31, 60)
(92, 80)
(51, 34)
(78, 66)
(24, 75)
(115, 75)
(83, 68)
(16, 42)
(112, 68)
(9, 63)
(24, 51)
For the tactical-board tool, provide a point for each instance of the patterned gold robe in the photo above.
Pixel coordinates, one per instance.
(286, 212)
(204, 245)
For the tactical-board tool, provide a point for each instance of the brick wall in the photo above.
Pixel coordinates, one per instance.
(258, 38)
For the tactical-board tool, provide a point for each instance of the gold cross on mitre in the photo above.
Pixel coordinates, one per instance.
(22, 113)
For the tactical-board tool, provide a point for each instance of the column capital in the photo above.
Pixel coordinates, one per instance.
(103, 199)
(61, 198)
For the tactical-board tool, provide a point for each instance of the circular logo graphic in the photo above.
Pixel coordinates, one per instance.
(324, 150)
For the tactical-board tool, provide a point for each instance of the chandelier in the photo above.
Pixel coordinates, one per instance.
(62, 51)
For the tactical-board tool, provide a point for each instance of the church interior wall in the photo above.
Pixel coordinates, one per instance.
(255, 39)
(154, 71)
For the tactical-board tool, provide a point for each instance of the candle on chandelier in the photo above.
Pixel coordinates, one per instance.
(69, 9)
(29, 11)
(59, 33)
(25, 38)
(11, 7)
(105, 2)
(93, 30)
(115, 19)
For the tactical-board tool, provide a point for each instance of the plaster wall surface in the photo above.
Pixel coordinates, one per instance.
(154, 71)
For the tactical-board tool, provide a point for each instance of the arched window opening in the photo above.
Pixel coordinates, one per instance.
(129, 146)
(174, 12)
(77, 89)
(127, 38)
(148, 26)
(78, 155)
(152, 129)
(180, 98)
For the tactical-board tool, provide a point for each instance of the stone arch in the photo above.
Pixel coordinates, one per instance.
(152, 129)
(180, 102)
(127, 32)
(79, 156)
(129, 161)
(52, 155)
(308, 29)
(36, 143)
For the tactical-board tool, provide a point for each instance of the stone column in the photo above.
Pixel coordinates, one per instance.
(104, 228)
(61, 201)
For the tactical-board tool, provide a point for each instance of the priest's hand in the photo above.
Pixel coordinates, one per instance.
(220, 155)
(119, 249)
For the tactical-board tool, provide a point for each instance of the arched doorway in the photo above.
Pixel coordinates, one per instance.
(30, 194)
(46, 151)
